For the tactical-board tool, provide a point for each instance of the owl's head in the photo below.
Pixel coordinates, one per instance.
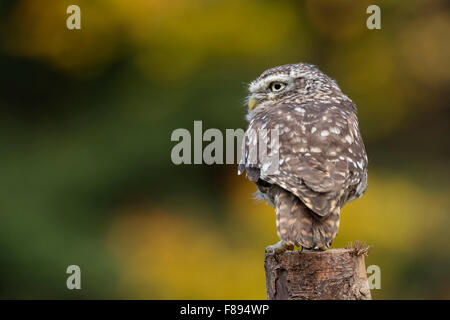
(290, 83)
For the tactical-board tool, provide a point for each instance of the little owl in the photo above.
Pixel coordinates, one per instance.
(321, 163)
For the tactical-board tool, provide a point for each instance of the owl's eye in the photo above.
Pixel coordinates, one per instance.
(277, 86)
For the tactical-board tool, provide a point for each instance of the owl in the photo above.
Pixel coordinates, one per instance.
(320, 162)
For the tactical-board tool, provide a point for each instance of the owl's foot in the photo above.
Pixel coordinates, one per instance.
(279, 247)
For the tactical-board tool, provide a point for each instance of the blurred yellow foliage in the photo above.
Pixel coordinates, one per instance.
(170, 38)
(426, 49)
(166, 254)
(340, 20)
(37, 28)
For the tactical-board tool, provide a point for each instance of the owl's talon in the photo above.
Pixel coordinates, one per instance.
(279, 247)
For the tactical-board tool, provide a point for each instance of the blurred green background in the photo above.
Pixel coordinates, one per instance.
(87, 115)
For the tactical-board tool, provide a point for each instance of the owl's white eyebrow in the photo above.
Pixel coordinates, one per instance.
(262, 84)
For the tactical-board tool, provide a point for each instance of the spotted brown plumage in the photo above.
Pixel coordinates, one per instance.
(322, 162)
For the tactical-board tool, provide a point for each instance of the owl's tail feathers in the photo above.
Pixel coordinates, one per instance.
(298, 225)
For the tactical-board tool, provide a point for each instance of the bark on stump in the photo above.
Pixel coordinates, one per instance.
(313, 275)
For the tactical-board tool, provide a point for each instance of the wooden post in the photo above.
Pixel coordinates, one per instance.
(314, 275)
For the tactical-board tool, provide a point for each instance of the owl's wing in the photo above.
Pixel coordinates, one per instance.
(321, 156)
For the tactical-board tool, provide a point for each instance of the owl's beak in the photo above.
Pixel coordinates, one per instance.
(252, 102)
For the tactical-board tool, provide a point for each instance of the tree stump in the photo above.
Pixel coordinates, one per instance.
(335, 274)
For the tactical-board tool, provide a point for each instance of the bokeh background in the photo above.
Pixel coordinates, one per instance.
(85, 125)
